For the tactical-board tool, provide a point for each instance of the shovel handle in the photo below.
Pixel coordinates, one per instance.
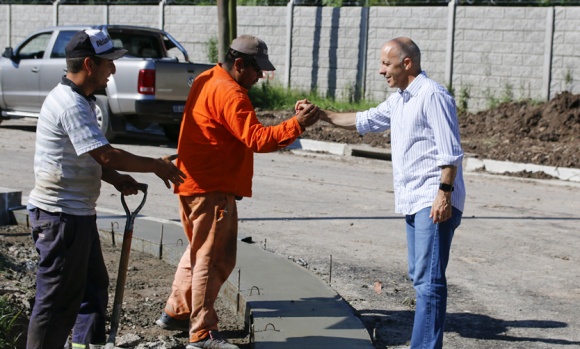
(123, 265)
(131, 215)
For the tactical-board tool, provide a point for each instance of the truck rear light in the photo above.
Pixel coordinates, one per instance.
(146, 84)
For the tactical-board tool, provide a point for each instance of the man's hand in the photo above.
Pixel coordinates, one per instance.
(307, 114)
(125, 184)
(300, 105)
(168, 172)
(441, 209)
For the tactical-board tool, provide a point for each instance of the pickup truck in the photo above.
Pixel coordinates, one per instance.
(150, 86)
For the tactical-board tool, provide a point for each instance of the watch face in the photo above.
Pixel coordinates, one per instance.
(445, 187)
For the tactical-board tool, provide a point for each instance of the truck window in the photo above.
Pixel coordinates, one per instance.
(58, 51)
(34, 48)
(172, 51)
(141, 45)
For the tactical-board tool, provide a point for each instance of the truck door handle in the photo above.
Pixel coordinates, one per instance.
(191, 70)
(34, 70)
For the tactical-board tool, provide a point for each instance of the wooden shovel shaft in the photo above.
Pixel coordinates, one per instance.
(123, 265)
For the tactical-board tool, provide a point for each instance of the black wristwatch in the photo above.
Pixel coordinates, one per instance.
(446, 187)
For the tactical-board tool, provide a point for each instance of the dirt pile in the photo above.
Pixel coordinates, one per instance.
(543, 134)
(526, 132)
(147, 287)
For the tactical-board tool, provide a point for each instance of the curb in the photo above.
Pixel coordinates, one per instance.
(284, 306)
(470, 163)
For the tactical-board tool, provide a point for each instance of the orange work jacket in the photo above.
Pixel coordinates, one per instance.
(219, 135)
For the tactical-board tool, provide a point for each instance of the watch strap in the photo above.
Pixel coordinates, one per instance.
(446, 187)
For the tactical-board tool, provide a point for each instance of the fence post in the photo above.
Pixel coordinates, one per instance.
(361, 82)
(289, 28)
(9, 24)
(548, 47)
(452, 8)
(162, 14)
(106, 14)
(55, 6)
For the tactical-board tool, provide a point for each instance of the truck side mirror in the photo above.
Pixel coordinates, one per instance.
(8, 53)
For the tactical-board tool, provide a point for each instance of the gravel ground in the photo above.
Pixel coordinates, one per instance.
(510, 289)
(148, 284)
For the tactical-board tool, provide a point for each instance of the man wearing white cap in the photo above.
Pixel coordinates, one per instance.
(71, 158)
(219, 135)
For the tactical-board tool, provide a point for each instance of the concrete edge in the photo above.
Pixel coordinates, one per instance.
(237, 297)
(471, 164)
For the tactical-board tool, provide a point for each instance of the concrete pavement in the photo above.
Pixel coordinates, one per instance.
(335, 204)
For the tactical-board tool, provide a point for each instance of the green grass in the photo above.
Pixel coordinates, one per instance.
(271, 96)
(10, 330)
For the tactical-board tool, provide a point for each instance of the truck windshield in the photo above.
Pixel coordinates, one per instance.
(58, 51)
(137, 44)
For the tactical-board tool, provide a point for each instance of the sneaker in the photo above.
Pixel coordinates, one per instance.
(214, 341)
(166, 322)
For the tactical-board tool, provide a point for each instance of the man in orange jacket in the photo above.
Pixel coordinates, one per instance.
(219, 135)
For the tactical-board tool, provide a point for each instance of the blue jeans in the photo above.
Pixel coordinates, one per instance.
(428, 254)
(71, 281)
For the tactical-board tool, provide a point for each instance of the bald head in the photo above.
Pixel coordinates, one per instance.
(404, 47)
(400, 62)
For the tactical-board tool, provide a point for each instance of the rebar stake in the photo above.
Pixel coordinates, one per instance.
(238, 295)
(161, 244)
(330, 272)
(113, 232)
(257, 288)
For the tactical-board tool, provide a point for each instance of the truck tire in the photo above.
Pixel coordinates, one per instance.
(171, 131)
(104, 117)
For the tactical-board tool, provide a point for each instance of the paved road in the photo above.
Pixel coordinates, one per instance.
(515, 260)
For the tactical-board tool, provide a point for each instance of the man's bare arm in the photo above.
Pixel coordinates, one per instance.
(121, 160)
(342, 120)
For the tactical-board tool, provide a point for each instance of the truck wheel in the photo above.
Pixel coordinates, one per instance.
(171, 131)
(104, 117)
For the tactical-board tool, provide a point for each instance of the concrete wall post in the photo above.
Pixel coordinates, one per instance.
(548, 48)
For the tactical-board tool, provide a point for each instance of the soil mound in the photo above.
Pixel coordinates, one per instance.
(525, 131)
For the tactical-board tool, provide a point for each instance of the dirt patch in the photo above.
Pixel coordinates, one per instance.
(526, 132)
(147, 287)
(547, 134)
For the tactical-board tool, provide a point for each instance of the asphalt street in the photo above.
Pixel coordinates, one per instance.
(514, 258)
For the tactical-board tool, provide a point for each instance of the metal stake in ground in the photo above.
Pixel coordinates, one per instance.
(123, 264)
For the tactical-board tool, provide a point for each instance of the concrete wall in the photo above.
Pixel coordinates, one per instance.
(566, 51)
(488, 53)
(85, 15)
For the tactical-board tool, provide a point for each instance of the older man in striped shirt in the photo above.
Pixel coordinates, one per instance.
(427, 175)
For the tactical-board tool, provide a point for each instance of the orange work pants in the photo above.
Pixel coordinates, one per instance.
(210, 223)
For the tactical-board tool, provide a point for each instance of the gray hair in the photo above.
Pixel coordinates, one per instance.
(408, 48)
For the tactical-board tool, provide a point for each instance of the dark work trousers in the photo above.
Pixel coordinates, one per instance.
(71, 281)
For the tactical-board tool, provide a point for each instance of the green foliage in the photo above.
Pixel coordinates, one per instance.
(212, 50)
(508, 93)
(506, 96)
(10, 331)
(568, 79)
(273, 96)
(492, 101)
(463, 100)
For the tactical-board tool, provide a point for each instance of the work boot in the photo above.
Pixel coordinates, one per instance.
(214, 341)
(166, 322)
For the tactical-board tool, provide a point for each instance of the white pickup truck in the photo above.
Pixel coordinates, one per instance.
(150, 86)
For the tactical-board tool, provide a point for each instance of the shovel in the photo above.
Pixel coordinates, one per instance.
(123, 264)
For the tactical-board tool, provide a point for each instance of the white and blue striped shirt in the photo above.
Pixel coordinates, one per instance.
(424, 137)
(67, 178)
